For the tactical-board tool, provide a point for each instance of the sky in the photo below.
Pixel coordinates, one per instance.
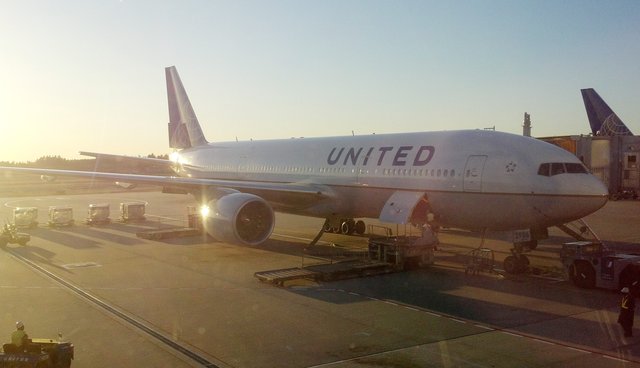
(89, 75)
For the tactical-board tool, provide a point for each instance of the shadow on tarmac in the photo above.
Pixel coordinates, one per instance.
(65, 237)
(38, 255)
(534, 307)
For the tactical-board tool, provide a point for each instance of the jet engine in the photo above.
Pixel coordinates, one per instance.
(239, 218)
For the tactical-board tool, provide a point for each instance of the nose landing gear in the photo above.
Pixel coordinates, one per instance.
(517, 262)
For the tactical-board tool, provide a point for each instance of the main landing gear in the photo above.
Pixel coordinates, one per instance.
(343, 226)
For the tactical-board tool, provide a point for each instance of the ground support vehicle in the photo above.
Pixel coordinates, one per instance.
(60, 216)
(401, 251)
(25, 217)
(10, 235)
(40, 353)
(480, 259)
(590, 264)
(98, 214)
(132, 211)
(194, 217)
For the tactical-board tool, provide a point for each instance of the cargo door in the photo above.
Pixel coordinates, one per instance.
(473, 173)
(400, 207)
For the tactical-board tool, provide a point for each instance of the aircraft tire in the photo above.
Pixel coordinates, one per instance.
(583, 275)
(360, 227)
(347, 227)
(523, 263)
(510, 265)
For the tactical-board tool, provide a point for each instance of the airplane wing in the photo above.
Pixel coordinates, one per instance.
(304, 193)
(145, 160)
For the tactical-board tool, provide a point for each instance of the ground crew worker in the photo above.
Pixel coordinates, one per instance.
(627, 311)
(19, 338)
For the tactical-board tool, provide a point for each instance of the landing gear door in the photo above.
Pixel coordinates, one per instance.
(400, 206)
(473, 173)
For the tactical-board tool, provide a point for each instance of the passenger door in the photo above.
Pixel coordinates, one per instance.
(473, 173)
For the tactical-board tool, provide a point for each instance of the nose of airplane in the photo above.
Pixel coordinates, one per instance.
(582, 196)
(596, 194)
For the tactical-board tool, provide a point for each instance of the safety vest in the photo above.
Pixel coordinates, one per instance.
(624, 304)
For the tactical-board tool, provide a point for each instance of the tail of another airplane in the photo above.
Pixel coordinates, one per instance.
(184, 128)
(603, 120)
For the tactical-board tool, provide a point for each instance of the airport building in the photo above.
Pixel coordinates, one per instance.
(613, 159)
(611, 151)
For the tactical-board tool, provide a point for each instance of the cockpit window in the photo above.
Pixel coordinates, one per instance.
(544, 169)
(556, 168)
(573, 168)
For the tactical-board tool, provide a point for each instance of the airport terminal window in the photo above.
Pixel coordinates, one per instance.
(631, 162)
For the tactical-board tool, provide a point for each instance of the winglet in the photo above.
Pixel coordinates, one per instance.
(184, 128)
(603, 120)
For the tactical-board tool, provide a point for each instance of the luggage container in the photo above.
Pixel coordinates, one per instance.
(60, 216)
(132, 211)
(25, 217)
(194, 217)
(98, 214)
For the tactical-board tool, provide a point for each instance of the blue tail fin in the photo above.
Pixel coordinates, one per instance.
(603, 120)
(184, 128)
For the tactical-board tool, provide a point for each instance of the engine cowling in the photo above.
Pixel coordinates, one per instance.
(239, 218)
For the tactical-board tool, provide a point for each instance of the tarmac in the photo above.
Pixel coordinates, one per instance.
(202, 294)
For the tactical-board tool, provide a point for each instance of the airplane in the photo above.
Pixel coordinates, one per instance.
(469, 179)
(603, 121)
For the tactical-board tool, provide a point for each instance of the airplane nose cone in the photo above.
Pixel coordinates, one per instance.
(583, 197)
(597, 192)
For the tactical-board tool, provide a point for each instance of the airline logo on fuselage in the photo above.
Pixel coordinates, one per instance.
(401, 156)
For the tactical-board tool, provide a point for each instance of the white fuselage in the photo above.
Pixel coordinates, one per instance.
(472, 179)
